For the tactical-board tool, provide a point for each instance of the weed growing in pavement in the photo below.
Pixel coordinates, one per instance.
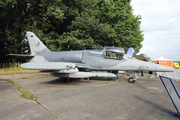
(24, 93)
(28, 95)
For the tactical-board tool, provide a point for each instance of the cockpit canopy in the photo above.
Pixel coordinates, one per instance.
(113, 52)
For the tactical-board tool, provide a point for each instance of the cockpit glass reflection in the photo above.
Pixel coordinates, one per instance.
(113, 52)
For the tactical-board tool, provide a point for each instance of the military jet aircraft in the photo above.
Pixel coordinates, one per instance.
(84, 63)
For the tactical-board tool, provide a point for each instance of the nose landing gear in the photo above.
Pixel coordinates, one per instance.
(133, 79)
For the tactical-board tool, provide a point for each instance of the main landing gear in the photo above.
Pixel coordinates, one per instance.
(133, 79)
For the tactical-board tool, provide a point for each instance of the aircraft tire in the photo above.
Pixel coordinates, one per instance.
(131, 80)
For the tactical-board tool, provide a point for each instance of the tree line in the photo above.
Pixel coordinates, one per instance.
(65, 25)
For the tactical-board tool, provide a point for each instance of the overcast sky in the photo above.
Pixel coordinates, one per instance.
(160, 24)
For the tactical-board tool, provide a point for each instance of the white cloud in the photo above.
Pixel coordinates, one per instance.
(161, 27)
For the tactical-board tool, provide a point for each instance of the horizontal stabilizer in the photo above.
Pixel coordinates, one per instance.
(21, 55)
(48, 65)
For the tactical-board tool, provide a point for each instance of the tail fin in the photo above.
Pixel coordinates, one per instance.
(35, 44)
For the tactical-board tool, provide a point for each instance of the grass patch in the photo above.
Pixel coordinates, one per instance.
(24, 93)
(10, 68)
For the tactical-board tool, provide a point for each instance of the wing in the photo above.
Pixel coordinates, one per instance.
(48, 65)
(22, 55)
(63, 69)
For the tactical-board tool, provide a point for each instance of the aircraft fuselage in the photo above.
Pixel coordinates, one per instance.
(95, 60)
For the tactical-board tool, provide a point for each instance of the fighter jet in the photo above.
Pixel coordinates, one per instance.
(84, 63)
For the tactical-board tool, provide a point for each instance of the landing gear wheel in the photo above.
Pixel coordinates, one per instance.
(131, 80)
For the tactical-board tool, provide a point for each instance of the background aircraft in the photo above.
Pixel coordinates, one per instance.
(84, 63)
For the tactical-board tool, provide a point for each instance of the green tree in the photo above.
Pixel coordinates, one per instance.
(11, 19)
(17, 17)
(68, 25)
(82, 25)
(124, 27)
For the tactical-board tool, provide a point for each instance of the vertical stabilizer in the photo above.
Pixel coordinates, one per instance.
(35, 44)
